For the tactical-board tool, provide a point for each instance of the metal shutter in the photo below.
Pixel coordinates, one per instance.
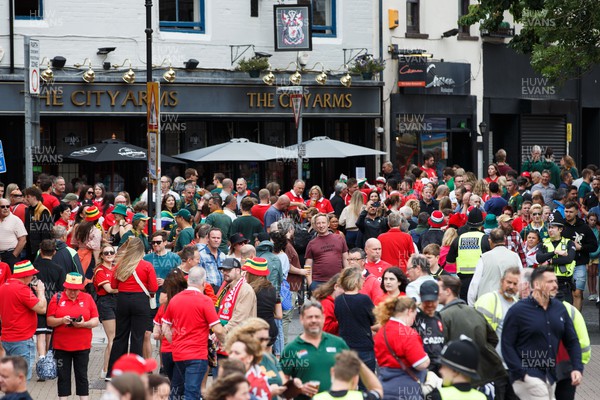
(545, 131)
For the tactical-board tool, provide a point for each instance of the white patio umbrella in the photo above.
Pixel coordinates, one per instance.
(234, 150)
(324, 147)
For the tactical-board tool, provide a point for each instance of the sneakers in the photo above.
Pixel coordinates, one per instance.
(593, 297)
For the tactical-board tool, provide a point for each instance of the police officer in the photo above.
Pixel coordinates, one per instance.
(466, 250)
(459, 365)
(559, 252)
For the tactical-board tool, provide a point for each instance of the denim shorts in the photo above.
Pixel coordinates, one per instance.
(580, 276)
(25, 349)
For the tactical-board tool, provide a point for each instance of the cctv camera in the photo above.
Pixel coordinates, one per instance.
(303, 59)
(379, 129)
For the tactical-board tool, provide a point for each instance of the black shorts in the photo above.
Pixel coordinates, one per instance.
(42, 326)
(107, 306)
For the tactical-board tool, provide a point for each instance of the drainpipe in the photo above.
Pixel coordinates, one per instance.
(11, 24)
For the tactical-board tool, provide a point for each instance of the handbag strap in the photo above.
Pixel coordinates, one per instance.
(139, 281)
(393, 353)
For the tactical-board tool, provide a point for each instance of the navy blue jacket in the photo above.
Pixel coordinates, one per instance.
(530, 339)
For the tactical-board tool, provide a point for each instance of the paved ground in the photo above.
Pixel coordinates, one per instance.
(588, 390)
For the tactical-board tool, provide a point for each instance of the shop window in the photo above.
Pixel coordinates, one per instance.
(323, 17)
(28, 9)
(182, 16)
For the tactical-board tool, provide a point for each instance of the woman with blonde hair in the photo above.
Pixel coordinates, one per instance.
(135, 279)
(317, 200)
(259, 329)
(248, 350)
(107, 298)
(481, 189)
(414, 206)
(567, 163)
(399, 349)
(449, 235)
(9, 189)
(354, 312)
(349, 216)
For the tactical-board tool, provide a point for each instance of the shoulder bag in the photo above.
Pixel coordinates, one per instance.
(152, 300)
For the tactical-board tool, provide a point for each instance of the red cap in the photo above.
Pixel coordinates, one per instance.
(526, 174)
(133, 363)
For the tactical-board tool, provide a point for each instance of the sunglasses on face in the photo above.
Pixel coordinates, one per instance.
(4, 206)
(108, 253)
(155, 242)
(90, 192)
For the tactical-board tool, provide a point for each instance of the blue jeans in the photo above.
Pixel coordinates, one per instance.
(278, 345)
(187, 379)
(368, 357)
(25, 349)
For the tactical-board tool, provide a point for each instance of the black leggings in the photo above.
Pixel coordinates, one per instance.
(79, 360)
(133, 319)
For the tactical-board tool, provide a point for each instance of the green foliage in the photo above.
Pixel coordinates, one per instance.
(367, 65)
(253, 64)
(562, 36)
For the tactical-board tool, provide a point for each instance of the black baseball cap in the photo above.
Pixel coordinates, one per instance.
(231, 263)
(429, 291)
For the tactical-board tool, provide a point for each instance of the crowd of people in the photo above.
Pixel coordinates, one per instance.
(408, 286)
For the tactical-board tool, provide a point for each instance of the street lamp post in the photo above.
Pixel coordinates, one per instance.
(482, 131)
(148, 31)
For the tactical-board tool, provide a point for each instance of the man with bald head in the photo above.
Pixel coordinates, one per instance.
(227, 188)
(276, 212)
(374, 264)
(241, 192)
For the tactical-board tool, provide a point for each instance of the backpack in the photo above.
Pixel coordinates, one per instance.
(301, 237)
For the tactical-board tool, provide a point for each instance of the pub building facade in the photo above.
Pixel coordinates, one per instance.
(209, 102)
(196, 112)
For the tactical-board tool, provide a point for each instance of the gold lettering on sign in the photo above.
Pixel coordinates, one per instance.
(98, 94)
(348, 100)
(130, 97)
(113, 97)
(319, 100)
(174, 100)
(284, 101)
(327, 100)
(75, 95)
(307, 98)
(142, 98)
(52, 97)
